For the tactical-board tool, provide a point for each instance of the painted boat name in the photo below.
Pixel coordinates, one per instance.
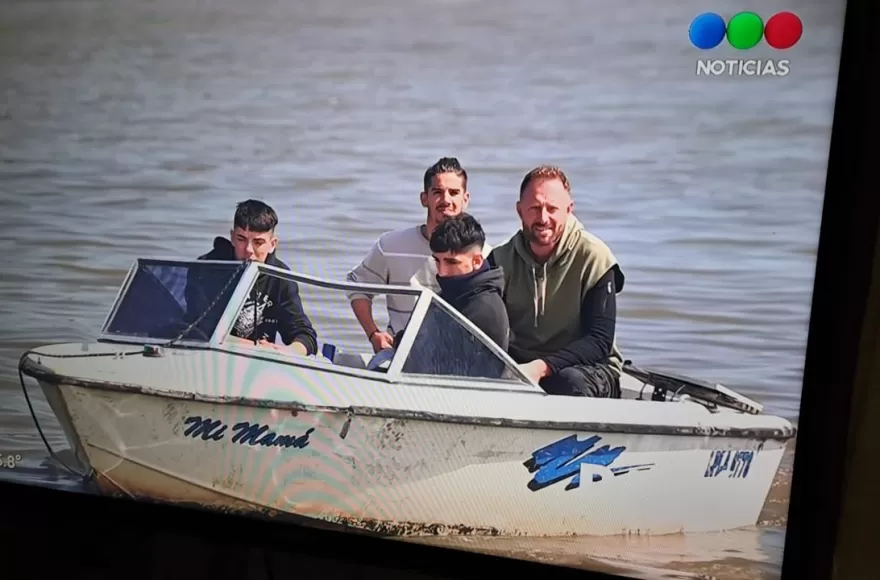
(244, 433)
(564, 458)
(736, 463)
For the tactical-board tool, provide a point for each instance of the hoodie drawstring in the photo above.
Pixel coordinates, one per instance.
(540, 291)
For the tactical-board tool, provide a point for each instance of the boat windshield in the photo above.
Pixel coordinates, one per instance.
(435, 342)
(163, 300)
(260, 306)
(446, 345)
(284, 307)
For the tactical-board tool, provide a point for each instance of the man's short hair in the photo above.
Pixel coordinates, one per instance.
(445, 165)
(255, 216)
(457, 234)
(543, 173)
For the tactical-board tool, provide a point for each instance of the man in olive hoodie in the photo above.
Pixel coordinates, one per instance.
(561, 284)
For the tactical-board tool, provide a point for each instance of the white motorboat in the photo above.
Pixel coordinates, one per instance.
(450, 437)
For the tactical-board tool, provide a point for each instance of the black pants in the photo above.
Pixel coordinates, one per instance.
(597, 380)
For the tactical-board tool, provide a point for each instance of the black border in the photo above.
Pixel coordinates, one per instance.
(847, 244)
(117, 538)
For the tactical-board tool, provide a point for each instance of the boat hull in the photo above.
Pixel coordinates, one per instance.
(415, 476)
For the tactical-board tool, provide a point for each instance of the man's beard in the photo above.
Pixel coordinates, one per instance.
(534, 236)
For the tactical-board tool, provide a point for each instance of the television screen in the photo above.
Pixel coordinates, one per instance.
(529, 279)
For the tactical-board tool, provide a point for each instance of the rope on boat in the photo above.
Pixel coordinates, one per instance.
(210, 307)
(52, 454)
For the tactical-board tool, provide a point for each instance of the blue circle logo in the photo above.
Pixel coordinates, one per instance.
(707, 30)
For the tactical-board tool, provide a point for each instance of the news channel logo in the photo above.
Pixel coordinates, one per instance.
(745, 31)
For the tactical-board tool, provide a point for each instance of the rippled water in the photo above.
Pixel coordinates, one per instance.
(132, 128)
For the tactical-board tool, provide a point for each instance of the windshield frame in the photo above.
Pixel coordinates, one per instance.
(425, 297)
(240, 292)
(230, 315)
(518, 379)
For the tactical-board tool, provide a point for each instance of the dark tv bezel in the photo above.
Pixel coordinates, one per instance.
(842, 294)
(105, 537)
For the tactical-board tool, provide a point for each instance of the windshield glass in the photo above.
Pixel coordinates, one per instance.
(164, 298)
(444, 346)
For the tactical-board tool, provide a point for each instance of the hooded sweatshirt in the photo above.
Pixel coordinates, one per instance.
(273, 306)
(426, 277)
(478, 297)
(550, 306)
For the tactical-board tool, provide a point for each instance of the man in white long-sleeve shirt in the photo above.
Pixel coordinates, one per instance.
(403, 257)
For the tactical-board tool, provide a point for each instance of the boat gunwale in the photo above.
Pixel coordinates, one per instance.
(306, 363)
(40, 372)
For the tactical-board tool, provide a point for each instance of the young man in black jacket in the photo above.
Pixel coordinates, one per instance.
(467, 281)
(472, 287)
(274, 305)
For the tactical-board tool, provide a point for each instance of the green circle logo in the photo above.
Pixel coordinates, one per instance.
(745, 30)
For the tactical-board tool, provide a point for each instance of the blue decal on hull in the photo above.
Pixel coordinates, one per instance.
(563, 459)
(735, 463)
(244, 433)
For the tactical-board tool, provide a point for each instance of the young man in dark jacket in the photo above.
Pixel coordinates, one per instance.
(467, 281)
(274, 305)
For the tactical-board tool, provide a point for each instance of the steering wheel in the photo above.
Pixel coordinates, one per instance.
(179, 326)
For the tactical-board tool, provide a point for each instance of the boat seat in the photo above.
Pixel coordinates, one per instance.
(352, 359)
(375, 362)
(381, 360)
(632, 388)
